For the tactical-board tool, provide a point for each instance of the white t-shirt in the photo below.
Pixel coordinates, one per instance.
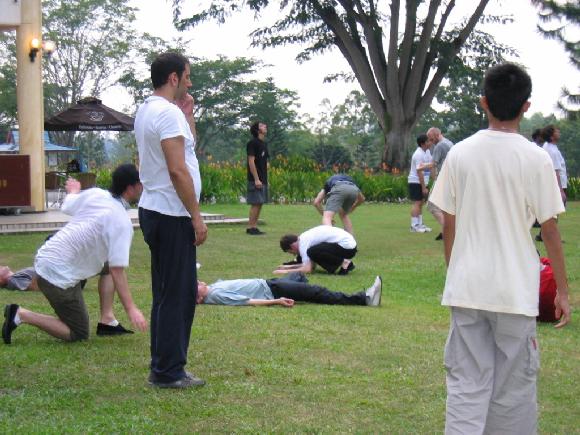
(558, 161)
(420, 157)
(158, 119)
(495, 184)
(100, 230)
(321, 234)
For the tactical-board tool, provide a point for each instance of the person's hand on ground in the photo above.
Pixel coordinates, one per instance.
(286, 302)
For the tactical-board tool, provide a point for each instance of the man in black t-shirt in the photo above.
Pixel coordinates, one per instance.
(257, 165)
(342, 196)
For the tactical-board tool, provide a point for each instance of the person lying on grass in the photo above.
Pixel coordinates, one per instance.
(282, 291)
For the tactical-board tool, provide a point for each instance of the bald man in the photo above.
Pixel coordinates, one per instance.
(441, 146)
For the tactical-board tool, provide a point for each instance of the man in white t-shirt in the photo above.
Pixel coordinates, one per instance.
(331, 248)
(170, 217)
(418, 180)
(491, 188)
(99, 231)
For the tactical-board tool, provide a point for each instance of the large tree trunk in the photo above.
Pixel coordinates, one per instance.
(396, 141)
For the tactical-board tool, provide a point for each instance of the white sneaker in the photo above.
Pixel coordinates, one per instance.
(417, 229)
(426, 228)
(373, 293)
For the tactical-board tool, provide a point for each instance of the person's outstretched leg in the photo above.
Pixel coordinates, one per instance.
(304, 292)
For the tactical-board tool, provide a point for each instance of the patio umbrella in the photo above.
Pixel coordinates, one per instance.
(89, 114)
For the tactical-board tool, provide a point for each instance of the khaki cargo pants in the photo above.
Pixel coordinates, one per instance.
(492, 361)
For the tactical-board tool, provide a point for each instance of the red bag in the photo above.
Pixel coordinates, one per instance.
(547, 293)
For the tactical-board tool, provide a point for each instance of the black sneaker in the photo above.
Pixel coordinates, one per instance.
(349, 268)
(539, 238)
(439, 236)
(189, 380)
(254, 232)
(104, 329)
(9, 325)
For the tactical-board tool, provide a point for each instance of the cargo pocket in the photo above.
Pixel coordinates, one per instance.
(533, 362)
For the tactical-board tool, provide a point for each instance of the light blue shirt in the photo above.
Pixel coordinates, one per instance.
(238, 291)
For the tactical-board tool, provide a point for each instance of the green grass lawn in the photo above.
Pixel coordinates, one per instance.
(311, 368)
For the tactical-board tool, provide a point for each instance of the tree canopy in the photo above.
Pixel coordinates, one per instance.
(398, 69)
(559, 20)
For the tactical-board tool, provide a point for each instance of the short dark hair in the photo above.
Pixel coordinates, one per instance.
(507, 87)
(421, 139)
(164, 65)
(548, 132)
(123, 176)
(255, 128)
(287, 240)
(536, 134)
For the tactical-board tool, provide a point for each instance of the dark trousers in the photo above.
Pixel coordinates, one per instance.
(300, 291)
(329, 256)
(174, 284)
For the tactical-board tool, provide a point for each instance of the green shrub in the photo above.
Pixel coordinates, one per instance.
(573, 190)
(296, 179)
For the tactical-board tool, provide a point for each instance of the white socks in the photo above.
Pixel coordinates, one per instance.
(17, 320)
(113, 322)
(415, 222)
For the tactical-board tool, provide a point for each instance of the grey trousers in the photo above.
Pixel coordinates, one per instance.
(492, 360)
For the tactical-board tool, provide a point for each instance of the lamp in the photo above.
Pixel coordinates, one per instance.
(35, 46)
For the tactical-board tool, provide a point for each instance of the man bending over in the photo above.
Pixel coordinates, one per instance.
(330, 247)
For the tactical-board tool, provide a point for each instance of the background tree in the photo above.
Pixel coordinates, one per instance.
(227, 100)
(93, 39)
(400, 81)
(462, 88)
(560, 20)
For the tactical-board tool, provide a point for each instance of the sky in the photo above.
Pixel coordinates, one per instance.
(546, 60)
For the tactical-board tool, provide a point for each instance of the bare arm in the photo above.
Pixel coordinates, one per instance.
(174, 151)
(553, 243)
(448, 235)
(254, 171)
(421, 176)
(318, 201)
(285, 302)
(122, 287)
(304, 268)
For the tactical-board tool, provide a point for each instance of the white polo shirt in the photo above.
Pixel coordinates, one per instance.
(420, 157)
(321, 234)
(100, 230)
(158, 119)
(496, 184)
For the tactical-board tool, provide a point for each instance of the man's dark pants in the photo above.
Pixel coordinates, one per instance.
(329, 256)
(300, 291)
(174, 284)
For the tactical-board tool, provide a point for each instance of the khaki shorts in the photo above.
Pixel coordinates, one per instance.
(69, 306)
(341, 196)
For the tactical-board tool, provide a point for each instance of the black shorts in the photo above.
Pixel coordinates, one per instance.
(415, 192)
